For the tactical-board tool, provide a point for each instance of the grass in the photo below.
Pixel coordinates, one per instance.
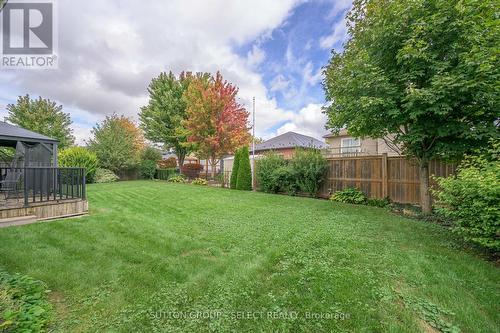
(155, 256)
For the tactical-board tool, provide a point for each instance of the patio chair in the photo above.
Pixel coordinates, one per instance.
(9, 185)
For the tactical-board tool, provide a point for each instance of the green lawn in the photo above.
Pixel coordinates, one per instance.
(155, 256)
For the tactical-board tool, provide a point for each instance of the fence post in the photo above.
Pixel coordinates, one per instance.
(384, 176)
(25, 189)
(84, 184)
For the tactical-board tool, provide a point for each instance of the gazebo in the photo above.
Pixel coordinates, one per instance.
(32, 149)
(32, 186)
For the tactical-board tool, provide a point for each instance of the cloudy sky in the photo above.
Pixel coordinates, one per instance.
(110, 50)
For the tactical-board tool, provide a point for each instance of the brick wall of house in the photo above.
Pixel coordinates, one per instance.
(287, 153)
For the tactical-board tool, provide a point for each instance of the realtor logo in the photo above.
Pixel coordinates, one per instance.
(28, 35)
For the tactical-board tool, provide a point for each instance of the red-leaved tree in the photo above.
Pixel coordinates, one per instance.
(216, 124)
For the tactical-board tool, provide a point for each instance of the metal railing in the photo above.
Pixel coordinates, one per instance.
(41, 184)
(343, 152)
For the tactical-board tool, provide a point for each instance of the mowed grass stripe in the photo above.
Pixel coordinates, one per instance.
(148, 246)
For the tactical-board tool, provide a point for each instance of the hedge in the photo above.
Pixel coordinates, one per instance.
(234, 173)
(164, 174)
(244, 178)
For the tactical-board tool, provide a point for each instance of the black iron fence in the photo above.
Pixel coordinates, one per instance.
(41, 184)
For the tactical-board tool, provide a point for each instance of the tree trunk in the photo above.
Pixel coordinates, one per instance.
(425, 196)
(213, 162)
(181, 157)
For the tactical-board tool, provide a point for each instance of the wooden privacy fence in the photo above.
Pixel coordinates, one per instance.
(381, 176)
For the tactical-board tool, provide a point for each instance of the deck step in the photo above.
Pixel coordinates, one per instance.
(20, 220)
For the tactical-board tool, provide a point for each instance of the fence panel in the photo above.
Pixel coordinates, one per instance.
(41, 184)
(380, 176)
(364, 173)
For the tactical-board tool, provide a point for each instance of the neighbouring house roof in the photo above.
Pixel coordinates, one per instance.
(290, 140)
(10, 133)
(166, 155)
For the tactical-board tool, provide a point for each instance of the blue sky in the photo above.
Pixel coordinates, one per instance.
(109, 51)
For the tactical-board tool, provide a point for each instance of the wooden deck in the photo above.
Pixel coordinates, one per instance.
(45, 210)
(19, 203)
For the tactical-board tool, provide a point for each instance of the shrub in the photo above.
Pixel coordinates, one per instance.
(265, 172)
(472, 199)
(305, 172)
(192, 170)
(177, 179)
(349, 195)
(151, 154)
(244, 178)
(79, 157)
(234, 172)
(309, 170)
(148, 169)
(382, 203)
(199, 181)
(169, 163)
(104, 176)
(285, 180)
(23, 304)
(164, 174)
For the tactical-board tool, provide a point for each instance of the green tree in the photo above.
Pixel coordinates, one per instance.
(234, 173)
(426, 71)
(244, 180)
(151, 154)
(117, 142)
(42, 116)
(162, 118)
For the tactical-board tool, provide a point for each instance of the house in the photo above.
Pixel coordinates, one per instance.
(343, 144)
(286, 143)
(190, 159)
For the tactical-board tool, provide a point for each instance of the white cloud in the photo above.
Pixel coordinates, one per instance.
(340, 6)
(110, 50)
(338, 35)
(279, 83)
(308, 121)
(310, 77)
(255, 56)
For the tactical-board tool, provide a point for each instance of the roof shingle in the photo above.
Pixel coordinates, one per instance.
(290, 140)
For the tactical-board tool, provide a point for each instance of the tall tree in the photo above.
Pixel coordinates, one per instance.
(42, 116)
(244, 177)
(234, 172)
(424, 70)
(117, 142)
(216, 124)
(162, 118)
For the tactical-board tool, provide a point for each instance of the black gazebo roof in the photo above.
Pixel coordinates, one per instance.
(10, 134)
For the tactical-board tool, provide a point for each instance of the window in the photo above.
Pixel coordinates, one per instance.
(350, 145)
